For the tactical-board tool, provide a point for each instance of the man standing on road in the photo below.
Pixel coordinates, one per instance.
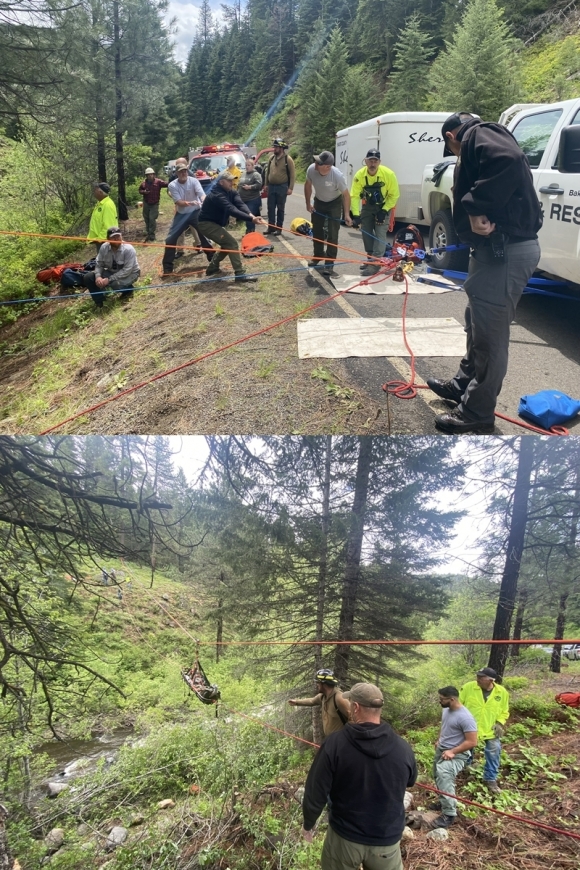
(151, 191)
(488, 702)
(331, 197)
(187, 194)
(458, 736)
(221, 203)
(364, 769)
(335, 709)
(374, 192)
(278, 184)
(495, 210)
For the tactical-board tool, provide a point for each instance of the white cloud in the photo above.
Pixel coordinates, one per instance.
(187, 15)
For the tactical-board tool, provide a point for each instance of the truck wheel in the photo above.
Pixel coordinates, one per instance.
(442, 232)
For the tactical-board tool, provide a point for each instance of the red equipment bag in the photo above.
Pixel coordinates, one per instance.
(254, 245)
(54, 274)
(569, 699)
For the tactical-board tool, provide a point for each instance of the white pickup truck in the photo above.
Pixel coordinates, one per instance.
(549, 136)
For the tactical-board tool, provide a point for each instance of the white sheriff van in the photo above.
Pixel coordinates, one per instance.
(549, 136)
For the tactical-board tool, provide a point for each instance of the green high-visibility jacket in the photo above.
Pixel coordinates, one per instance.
(389, 187)
(104, 216)
(486, 713)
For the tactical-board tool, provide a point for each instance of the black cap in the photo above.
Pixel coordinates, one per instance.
(104, 187)
(452, 123)
(113, 231)
(487, 672)
(325, 158)
(372, 152)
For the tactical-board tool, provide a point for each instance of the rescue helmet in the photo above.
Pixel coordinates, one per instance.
(279, 143)
(326, 676)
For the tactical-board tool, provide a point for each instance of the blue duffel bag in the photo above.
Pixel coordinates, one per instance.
(548, 408)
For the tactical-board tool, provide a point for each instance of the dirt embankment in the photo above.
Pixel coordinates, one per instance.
(64, 357)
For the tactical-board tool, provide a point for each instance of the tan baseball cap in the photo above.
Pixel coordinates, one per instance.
(365, 694)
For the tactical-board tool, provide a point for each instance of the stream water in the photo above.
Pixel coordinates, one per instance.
(75, 757)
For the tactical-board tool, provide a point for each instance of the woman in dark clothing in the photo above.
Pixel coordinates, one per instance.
(249, 188)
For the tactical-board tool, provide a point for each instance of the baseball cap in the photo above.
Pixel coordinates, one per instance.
(487, 672)
(103, 186)
(228, 176)
(452, 123)
(180, 166)
(365, 694)
(372, 152)
(149, 171)
(325, 158)
(113, 231)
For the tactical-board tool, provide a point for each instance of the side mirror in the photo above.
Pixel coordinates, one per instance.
(569, 150)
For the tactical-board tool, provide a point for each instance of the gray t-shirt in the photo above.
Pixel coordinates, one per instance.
(326, 187)
(454, 725)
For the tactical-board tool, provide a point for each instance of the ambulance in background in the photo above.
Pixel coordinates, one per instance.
(407, 142)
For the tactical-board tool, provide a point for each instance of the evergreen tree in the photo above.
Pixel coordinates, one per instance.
(321, 99)
(478, 70)
(359, 97)
(408, 83)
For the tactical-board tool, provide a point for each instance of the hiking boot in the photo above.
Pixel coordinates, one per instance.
(492, 786)
(245, 279)
(315, 264)
(454, 423)
(435, 805)
(363, 266)
(178, 255)
(269, 232)
(329, 272)
(369, 269)
(445, 390)
(277, 232)
(167, 271)
(213, 271)
(443, 821)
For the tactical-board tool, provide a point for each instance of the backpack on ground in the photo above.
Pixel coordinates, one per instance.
(569, 699)
(54, 274)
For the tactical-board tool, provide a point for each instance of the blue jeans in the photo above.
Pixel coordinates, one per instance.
(178, 226)
(492, 754)
(255, 206)
(277, 194)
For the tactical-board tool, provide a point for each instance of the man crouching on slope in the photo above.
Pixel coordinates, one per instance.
(364, 769)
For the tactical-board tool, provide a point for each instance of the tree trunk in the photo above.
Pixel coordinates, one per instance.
(556, 659)
(569, 579)
(353, 553)
(220, 629)
(509, 583)
(522, 601)
(322, 577)
(6, 861)
(99, 114)
(122, 195)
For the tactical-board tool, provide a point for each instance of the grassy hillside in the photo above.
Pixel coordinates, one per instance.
(233, 782)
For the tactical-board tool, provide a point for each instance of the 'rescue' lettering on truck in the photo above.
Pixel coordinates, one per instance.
(549, 136)
(406, 140)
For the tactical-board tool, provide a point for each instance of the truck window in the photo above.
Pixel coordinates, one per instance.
(533, 134)
(576, 119)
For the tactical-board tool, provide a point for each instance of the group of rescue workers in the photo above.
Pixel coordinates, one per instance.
(363, 768)
(495, 211)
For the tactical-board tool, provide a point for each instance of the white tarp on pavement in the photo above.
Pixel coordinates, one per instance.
(387, 287)
(336, 337)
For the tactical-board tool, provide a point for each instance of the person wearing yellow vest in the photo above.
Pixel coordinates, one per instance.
(488, 703)
(104, 215)
(374, 192)
(335, 707)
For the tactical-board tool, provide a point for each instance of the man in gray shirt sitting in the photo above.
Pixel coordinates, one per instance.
(116, 268)
(458, 736)
(331, 196)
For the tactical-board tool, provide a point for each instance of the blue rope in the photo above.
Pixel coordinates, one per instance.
(230, 277)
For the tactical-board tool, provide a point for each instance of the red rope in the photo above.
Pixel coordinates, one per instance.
(523, 819)
(207, 355)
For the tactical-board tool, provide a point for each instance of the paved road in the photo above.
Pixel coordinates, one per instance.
(544, 351)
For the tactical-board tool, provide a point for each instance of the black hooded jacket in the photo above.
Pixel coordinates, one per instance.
(365, 769)
(221, 204)
(493, 178)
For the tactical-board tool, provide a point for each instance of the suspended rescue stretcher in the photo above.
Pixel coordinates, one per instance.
(196, 679)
